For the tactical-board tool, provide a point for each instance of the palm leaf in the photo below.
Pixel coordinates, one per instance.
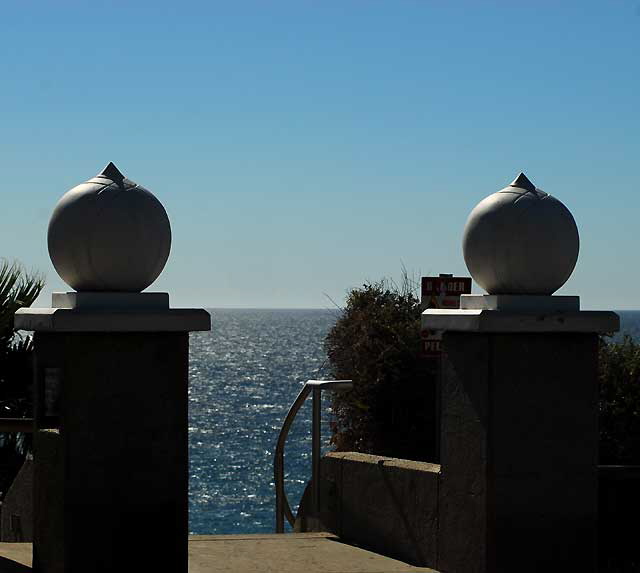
(18, 288)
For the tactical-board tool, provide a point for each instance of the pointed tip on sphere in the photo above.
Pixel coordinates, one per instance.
(109, 234)
(112, 172)
(520, 242)
(521, 181)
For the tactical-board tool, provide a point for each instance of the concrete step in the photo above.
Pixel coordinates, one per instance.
(259, 553)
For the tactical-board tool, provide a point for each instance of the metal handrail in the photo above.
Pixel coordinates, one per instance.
(283, 509)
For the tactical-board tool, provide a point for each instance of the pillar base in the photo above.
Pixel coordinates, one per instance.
(111, 471)
(519, 437)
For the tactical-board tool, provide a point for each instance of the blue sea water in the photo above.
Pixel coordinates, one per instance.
(244, 376)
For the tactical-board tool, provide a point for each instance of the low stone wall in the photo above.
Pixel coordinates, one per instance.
(16, 517)
(384, 504)
(391, 506)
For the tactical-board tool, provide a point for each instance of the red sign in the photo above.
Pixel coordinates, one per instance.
(440, 292)
(444, 291)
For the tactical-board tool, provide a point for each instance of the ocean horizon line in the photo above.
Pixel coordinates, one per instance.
(232, 307)
(270, 308)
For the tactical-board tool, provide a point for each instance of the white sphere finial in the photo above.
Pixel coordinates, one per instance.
(520, 240)
(109, 234)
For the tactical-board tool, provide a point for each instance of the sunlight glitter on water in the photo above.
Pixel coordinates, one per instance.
(244, 376)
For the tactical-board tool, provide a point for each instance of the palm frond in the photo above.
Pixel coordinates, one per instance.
(18, 288)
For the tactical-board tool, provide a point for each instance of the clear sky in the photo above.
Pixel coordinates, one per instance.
(304, 147)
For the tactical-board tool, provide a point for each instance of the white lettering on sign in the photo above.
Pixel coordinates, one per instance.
(431, 346)
(451, 287)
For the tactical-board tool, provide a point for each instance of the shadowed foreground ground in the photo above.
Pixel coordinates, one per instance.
(289, 553)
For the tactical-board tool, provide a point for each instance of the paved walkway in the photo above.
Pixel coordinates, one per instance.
(288, 553)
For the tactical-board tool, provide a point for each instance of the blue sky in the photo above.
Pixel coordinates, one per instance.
(302, 148)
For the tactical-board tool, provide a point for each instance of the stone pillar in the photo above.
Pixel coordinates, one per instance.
(519, 429)
(111, 449)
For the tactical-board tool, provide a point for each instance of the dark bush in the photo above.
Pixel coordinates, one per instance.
(392, 409)
(620, 402)
(376, 343)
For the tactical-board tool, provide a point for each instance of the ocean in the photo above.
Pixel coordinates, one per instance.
(243, 377)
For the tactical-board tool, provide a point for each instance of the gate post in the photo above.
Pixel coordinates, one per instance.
(519, 425)
(110, 447)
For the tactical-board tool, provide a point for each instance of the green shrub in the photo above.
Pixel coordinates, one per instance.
(376, 343)
(620, 402)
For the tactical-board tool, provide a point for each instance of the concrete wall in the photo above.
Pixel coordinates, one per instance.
(384, 504)
(391, 506)
(519, 452)
(16, 518)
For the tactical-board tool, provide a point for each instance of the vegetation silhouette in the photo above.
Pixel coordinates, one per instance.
(18, 288)
(391, 410)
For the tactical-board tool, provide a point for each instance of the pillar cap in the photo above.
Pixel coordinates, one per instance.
(109, 234)
(520, 302)
(111, 301)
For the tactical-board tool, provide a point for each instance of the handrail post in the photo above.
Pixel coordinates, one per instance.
(283, 510)
(279, 499)
(315, 452)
